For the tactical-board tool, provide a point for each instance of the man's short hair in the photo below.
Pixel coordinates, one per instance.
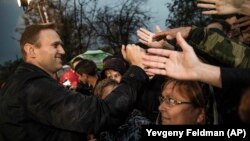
(77, 59)
(31, 35)
(86, 66)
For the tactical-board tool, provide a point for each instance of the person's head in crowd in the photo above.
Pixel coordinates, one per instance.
(108, 58)
(113, 68)
(182, 102)
(244, 107)
(105, 87)
(69, 79)
(221, 25)
(104, 61)
(41, 45)
(86, 71)
(75, 62)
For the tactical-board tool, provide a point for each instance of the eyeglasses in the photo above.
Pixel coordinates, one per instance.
(172, 102)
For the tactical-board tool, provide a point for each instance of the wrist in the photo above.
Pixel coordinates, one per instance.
(208, 74)
(200, 70)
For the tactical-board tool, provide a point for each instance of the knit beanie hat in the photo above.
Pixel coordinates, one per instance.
(115, 64)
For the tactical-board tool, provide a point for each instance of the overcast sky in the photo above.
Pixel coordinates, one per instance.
(10, 17)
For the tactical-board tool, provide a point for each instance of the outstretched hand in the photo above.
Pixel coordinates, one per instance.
(170, 34)
(145, 37)
(178, 65)
(243, 22)
(219, 6)
(133, 54)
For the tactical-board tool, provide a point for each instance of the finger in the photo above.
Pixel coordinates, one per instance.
(144, 42)
(142, 35)
(149, 73)
(153, 58)
(160, 52)
(146, 31)
(183, 44)
(243, 19)
(157, 71)
(208, 1)
(129, 47)
(136, 47)
(210, 12)
(158, 29)
(207, 6)
(124, 52)
(152, 64)
(243, 24)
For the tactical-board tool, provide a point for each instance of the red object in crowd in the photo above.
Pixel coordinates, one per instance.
(69, 79)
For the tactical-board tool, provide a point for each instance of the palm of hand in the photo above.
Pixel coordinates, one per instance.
(146, 37)
(224, 7)
(178, 66)
(218, 6)
(175, 67)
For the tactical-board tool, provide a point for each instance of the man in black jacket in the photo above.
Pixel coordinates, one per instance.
(34, 106)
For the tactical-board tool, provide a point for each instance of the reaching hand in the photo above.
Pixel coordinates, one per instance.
(178, 65)
(220, 6)
(133, 54)
(170, 34)
(244, 22)
(145, 37)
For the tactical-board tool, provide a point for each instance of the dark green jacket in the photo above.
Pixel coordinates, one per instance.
(219, 47)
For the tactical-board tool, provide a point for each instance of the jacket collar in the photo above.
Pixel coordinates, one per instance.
(32, 68)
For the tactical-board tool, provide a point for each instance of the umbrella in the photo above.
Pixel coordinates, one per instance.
(95, 55)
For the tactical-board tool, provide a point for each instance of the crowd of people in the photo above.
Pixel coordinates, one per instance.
(188, 75)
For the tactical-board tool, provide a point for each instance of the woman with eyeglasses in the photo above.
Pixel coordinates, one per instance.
(182, 102)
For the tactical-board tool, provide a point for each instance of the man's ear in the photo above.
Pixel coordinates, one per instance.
(30, 50)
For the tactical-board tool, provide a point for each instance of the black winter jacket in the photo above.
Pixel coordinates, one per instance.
(35, 107)
(234, 82)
